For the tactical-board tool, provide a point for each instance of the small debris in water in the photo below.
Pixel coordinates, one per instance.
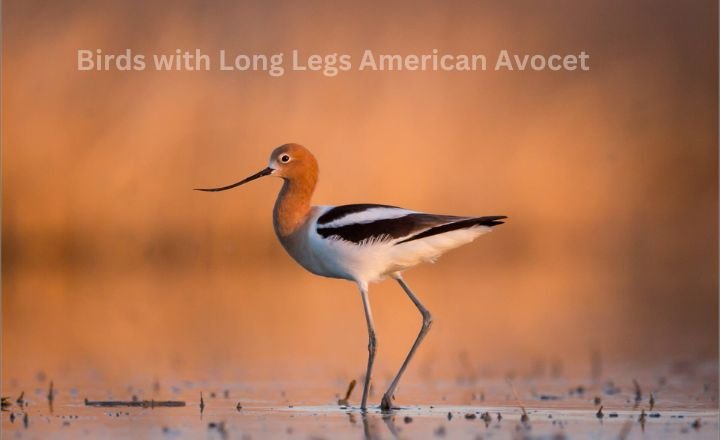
(641, 419)
(408, 419)
(470, 416)
(613, 415)
(487, 418)
(600, 414)
(638, 392)
(345, 401)
(549, 397)
(219, 427)
(134, 403)
(51, 396)
(524, 417)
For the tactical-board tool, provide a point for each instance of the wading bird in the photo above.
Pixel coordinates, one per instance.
(363, 243)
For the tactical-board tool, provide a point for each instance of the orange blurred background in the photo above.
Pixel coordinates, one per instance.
(111, 264)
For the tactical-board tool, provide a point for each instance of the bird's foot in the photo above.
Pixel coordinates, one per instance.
(386, 403)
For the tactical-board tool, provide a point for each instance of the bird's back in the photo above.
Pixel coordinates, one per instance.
(367, 242)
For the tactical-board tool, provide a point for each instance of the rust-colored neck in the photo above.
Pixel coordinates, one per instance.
(292, 206)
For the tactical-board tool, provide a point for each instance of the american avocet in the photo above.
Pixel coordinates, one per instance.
(363, 243)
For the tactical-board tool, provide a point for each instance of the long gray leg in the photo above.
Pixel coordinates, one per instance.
(372, 343)
(386, 403)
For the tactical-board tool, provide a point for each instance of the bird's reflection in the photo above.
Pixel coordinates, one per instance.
(371, 425)
(389, 419)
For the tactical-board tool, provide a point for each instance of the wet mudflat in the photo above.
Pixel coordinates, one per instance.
(644, 405)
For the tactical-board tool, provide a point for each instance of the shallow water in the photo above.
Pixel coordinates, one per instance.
(557, 408)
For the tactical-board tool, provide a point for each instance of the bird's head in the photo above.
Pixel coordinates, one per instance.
(291, 162)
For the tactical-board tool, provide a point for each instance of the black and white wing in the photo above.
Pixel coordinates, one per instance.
(368, 223)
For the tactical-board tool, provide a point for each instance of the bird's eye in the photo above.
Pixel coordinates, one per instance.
(284, 158)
